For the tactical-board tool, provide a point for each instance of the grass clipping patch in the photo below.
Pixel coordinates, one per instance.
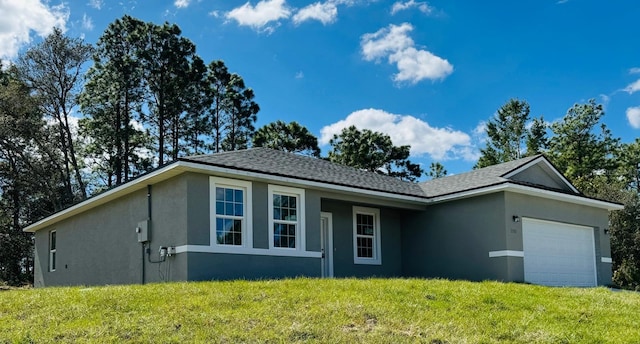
(321, 310)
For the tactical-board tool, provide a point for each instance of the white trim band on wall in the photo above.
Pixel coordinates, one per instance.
(606, 259)
(247, 251)
(506, 253)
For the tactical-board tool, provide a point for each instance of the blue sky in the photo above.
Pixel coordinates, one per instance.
(428, 73)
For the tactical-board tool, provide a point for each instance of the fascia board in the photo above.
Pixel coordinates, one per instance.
(531, 191)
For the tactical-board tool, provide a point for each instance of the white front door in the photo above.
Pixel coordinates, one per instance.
(326, 244)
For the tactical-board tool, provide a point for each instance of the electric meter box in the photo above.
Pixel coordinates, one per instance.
(143, 231)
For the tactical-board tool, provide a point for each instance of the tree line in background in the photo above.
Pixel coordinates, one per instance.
(68, 132)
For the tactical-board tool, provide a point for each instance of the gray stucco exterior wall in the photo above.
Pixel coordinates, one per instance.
(260, 215)
(219, 266)
(312, 220)
(169, 219)
(544, 209)
(390, 232)
(207, 266)
(453, 240)
(95, 247)
(198, 200)
(197, 209)
(100, 246)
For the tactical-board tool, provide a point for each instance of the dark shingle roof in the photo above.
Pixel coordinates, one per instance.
(283, 164)
(278, 163)
(483, 177)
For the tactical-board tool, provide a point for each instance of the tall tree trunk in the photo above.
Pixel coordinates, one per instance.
(161, 129)
(118, 142)
(72, 152)
(127, 119)
(217, 126)
(176, 136)
(15, 214)
(65, 153)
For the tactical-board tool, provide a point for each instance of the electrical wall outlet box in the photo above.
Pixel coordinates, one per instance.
(171, 250)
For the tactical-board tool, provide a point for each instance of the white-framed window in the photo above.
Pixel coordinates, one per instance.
(230, 213)
(52, 250)
(366, 236)
(286, 218)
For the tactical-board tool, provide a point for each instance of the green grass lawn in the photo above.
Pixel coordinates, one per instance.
(321, 310)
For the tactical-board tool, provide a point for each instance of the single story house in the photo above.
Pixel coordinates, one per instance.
(262, 213)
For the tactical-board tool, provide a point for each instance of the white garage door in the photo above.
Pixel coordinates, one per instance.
(558, 254)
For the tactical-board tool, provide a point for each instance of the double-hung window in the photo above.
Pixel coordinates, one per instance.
(52, 251)
(286, 217)
(230, 212)
(366, 236)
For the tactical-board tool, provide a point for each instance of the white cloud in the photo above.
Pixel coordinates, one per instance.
(413, 64)
(87, 23)
(633, 115)
(261, 15)
(480, 129)
(386, 41)
(349, 2)
(325, 13)
(439, 143)
(97, 4)
(633, 87)
(299, 75)
(421, 6)
(21, 17)
(214, 14)
(634, 70)
(181, 3)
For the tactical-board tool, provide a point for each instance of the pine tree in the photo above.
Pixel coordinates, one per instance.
(373, 151)
(290, 137)
(582, 146)
(52, 69)
(112, 100)
(507, 135)
(240, 115)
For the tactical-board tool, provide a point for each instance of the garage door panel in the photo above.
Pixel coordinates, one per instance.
(558, 254)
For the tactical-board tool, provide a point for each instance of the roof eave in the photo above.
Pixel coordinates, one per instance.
(532, 191)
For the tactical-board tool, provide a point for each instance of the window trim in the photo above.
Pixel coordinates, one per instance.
(300, 230)
(53, 249)
(247, 223)
(377, 252)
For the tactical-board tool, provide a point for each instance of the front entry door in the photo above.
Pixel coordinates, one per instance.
(326, 244)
